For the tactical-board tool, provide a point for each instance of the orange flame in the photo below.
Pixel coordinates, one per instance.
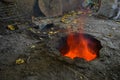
(79, 48)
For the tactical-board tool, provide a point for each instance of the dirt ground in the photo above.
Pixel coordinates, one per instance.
(42, 60)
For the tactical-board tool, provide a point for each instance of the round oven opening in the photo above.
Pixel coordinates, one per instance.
(80, 45)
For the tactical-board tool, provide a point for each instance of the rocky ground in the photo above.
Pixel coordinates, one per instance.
(29, 53)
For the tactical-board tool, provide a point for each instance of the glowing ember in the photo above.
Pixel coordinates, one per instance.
(79, 47)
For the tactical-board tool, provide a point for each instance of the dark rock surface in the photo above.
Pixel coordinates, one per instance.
(45, 63)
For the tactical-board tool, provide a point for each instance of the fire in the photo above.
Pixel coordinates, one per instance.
(79, 47)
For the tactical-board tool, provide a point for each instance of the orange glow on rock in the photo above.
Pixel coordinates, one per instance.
(78, 47)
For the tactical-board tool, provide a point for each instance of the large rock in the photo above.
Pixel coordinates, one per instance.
(53, 8)
(68, 5)
(106, 8)
(49, 8)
